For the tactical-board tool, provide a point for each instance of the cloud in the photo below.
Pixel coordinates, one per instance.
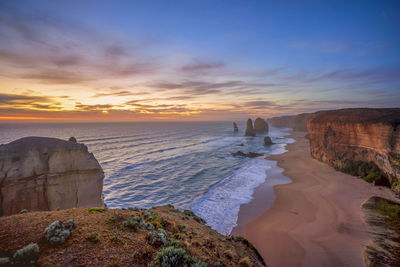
(9, 99)
(202, 67)
(33, 47)
(121, 93)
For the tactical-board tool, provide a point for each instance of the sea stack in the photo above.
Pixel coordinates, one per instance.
(235, 128)
(267, 141)
(249, 128)
(260, 125)
(39, 173)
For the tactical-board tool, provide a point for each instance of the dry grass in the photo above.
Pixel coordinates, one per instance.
(116, 243)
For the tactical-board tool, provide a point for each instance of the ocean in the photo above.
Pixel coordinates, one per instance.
(186, 164)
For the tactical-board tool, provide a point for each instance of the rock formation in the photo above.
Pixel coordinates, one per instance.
(282, 121)
(342, 137)
(267, 141)
(249, 128)
(260, 125)
(248, 155)
(38, 173)
(297, 122)
(235, 128)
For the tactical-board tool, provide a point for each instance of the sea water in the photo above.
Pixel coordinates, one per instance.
(186, 164)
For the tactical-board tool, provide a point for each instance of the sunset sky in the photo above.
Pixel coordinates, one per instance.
(195, 60)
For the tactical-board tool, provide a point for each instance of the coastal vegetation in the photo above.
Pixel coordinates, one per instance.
(161, 236)
(368, 171)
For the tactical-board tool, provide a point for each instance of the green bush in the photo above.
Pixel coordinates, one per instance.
(175, 243)
(131, 224)
(391, 212)
(96, 210)
(93, 237)
(176, 257)
(368, 171)
(178, 236)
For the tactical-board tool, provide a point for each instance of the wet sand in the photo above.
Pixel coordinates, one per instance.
(315, 220)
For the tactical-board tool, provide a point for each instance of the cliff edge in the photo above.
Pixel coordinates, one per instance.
(357, 138)
(39, 173)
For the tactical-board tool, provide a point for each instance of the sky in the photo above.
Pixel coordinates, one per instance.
(195, 60)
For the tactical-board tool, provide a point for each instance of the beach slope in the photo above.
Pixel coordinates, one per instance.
(316, 220)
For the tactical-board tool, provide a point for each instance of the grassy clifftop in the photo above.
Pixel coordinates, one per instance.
(161, 236)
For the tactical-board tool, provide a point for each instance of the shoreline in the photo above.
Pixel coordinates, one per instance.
(316, 220)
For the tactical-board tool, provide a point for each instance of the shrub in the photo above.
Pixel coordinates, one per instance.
(96, 210)
(369, 171)
(178, 236)
(391, 212)
(131, 224)
(57, 233)
(157, 237)
(176, 257)
(175, 243)
(245, 262)
(115, 239)
(114, 264)
(181, 228)
(27, 255)
(93, 237)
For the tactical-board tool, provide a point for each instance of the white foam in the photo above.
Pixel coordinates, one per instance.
(220, 205)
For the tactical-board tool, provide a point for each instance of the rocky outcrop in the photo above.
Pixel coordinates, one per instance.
(38, 173)
(382, 216)
(260, 125)
(340, 137)
(235, 127)
(267, 141)
(248, 155)
(249, 128)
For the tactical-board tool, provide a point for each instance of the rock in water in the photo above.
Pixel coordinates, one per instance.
(249, 128)
(39, 173)
(72, 139)
(260, 125)
(235, 128)
(267, 141)
(248, 155)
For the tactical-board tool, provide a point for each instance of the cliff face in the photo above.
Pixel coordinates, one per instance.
(38, 173)
(339, 136)
(297, 122)
(283, 121)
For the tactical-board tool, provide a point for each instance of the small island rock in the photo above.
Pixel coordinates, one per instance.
(267, 141)
(235, 127)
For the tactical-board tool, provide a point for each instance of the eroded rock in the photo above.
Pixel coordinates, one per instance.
(249, 128)
(59, 174)
(260, 125)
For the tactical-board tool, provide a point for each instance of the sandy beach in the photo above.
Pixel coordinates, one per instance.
(315, 220)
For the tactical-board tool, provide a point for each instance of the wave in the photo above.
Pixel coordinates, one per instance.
(219, 207)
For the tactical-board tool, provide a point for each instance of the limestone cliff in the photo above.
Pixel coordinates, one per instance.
(38, 173)
(338, 137)
(282, 121)
(297, 122)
